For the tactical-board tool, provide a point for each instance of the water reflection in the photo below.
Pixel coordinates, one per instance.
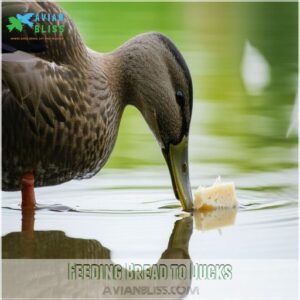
(33, 244)
(48, 244)
(215, 219)
(56, 245)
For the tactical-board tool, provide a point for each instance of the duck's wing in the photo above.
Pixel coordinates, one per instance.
(45, 76)
(46, 91)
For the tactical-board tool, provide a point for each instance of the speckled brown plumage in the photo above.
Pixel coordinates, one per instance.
(62, 103)
(59, 115)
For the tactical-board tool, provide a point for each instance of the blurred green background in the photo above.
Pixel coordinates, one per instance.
(244, 63)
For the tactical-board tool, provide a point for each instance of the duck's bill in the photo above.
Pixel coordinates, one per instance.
(177, 159)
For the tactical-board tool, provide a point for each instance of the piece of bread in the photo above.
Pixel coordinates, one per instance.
(219, 195)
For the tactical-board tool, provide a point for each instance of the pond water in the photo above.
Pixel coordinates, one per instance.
(243, 129)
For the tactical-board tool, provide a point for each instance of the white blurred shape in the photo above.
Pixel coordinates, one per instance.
(255, 70)
(293, 127)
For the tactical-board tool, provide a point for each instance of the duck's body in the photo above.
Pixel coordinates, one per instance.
(67, 132)
(60, 113)
(62, 102)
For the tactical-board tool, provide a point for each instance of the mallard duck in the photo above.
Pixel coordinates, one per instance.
(62, 102)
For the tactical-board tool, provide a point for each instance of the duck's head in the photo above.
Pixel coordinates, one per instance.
(157, 81)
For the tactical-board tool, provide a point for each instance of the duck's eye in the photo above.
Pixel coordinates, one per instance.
(179, 97)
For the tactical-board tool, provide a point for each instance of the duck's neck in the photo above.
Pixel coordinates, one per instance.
(108, 80)
(107, 92)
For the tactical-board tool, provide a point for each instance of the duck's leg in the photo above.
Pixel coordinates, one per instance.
(28, 197)
(28, 222)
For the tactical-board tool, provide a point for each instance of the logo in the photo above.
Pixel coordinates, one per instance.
(18, 21)
(39, 23)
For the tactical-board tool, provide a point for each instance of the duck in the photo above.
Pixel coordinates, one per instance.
(62, 102)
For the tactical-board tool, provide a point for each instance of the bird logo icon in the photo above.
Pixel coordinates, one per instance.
(18, 21)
